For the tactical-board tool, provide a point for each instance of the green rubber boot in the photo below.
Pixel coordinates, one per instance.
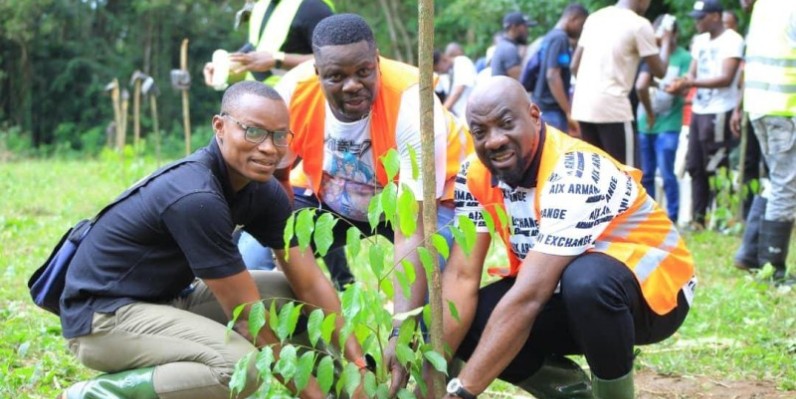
(132, 384)
(620, 388)
(558, 378)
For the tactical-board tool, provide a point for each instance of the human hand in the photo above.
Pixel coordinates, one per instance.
(255, 61)
(399, 375)
(735, 122)
(650, 121)
(574, 127)
(208, 72)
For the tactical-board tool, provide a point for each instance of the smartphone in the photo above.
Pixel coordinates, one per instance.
(667, 24)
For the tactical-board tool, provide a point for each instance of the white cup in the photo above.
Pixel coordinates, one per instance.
(220, 69)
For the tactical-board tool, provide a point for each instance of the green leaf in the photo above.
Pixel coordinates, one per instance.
(415, 163)
(417, 374)
(265, 358)
(441, 245)
(408, 326)
(467, 227)
(388, 200)
(286, 365)
(427, 260)
(314, 326)
(325, 374)
(352, 378)
(406, 394)
(287, 235)
(374, 211)
(256, 319)
(304, 227)
(273, 317)
(370, 384)
(490, 223)
(376, 255)
(327, 328)
(409, 269)
(454, 311)
(238, 380)
(437, 360)
(305, 365)
(404, 353)
(353, 242)
(324, 236)
(288, 318)
(403, 282)
(235, 314)
(392, 163)
(407, 212)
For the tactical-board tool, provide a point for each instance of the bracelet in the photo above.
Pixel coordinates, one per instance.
(394, 333)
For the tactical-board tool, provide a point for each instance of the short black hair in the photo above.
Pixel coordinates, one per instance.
(437, 55)
(342, 29)
(576, 9)
(234, 94)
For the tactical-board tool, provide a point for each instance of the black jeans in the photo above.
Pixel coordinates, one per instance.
(600, 313)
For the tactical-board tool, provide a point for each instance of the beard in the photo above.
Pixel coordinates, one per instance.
(513, 176)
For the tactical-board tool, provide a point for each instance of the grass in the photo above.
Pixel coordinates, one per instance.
(739, 329)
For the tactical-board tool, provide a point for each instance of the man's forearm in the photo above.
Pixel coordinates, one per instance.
(557, 89)
(506, 332)
(453, 97)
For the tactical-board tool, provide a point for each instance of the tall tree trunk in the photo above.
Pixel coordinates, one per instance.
(425, 50)
(406, 40)
(385, 7)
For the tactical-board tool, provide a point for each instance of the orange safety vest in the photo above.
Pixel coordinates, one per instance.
(308, 118)
(643, 237)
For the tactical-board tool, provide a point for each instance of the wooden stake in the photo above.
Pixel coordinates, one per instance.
(153, 107)
(136, 112)
(186, 113)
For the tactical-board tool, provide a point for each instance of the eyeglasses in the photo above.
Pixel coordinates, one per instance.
(280, 138)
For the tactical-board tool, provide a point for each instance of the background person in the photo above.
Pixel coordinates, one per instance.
(507, 58)
(551, 92)
(660, 119)
(614, 40)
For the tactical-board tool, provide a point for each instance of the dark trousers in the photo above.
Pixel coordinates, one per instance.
(600, 313)
(616, 139)
(708, 150)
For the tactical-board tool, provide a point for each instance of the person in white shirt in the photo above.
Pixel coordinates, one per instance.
(716, 53)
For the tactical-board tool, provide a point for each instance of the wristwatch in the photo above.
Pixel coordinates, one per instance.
(279, 57)
(456, 388)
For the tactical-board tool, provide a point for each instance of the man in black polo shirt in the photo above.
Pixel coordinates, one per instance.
(125, 309)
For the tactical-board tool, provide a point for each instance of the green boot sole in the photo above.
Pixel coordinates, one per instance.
(558, 378)
(620, 388)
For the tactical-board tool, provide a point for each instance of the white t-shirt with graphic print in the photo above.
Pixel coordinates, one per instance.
(349, 176)
(583, 195)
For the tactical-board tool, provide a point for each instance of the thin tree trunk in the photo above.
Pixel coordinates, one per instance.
(406, 40)
(425, 50)
(391, 29)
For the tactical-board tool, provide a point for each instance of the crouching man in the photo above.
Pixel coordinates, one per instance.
(125, 309)
(595, 266)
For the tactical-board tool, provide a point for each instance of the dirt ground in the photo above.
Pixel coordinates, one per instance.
(650, 385)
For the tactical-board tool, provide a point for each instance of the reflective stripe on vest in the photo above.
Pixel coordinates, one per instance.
(276, 28)
(308, 122)
(642, 237)
(770, 63)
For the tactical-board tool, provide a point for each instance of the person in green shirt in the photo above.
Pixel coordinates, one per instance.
(660, 118)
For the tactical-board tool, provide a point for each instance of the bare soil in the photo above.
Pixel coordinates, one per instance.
(650, 385)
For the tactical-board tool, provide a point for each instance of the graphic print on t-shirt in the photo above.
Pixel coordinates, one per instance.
(581, 197)
(349, 181)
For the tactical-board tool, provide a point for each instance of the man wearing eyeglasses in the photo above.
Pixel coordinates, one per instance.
(126, 310)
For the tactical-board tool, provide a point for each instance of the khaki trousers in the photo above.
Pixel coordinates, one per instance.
(185, 340)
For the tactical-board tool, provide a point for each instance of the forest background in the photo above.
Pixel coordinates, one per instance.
(57, 56)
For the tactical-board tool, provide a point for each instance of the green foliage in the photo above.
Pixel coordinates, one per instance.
(740, 328)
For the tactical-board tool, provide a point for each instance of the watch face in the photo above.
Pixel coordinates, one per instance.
(454, 385)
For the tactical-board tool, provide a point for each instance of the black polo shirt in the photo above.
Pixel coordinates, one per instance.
(179, 226)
